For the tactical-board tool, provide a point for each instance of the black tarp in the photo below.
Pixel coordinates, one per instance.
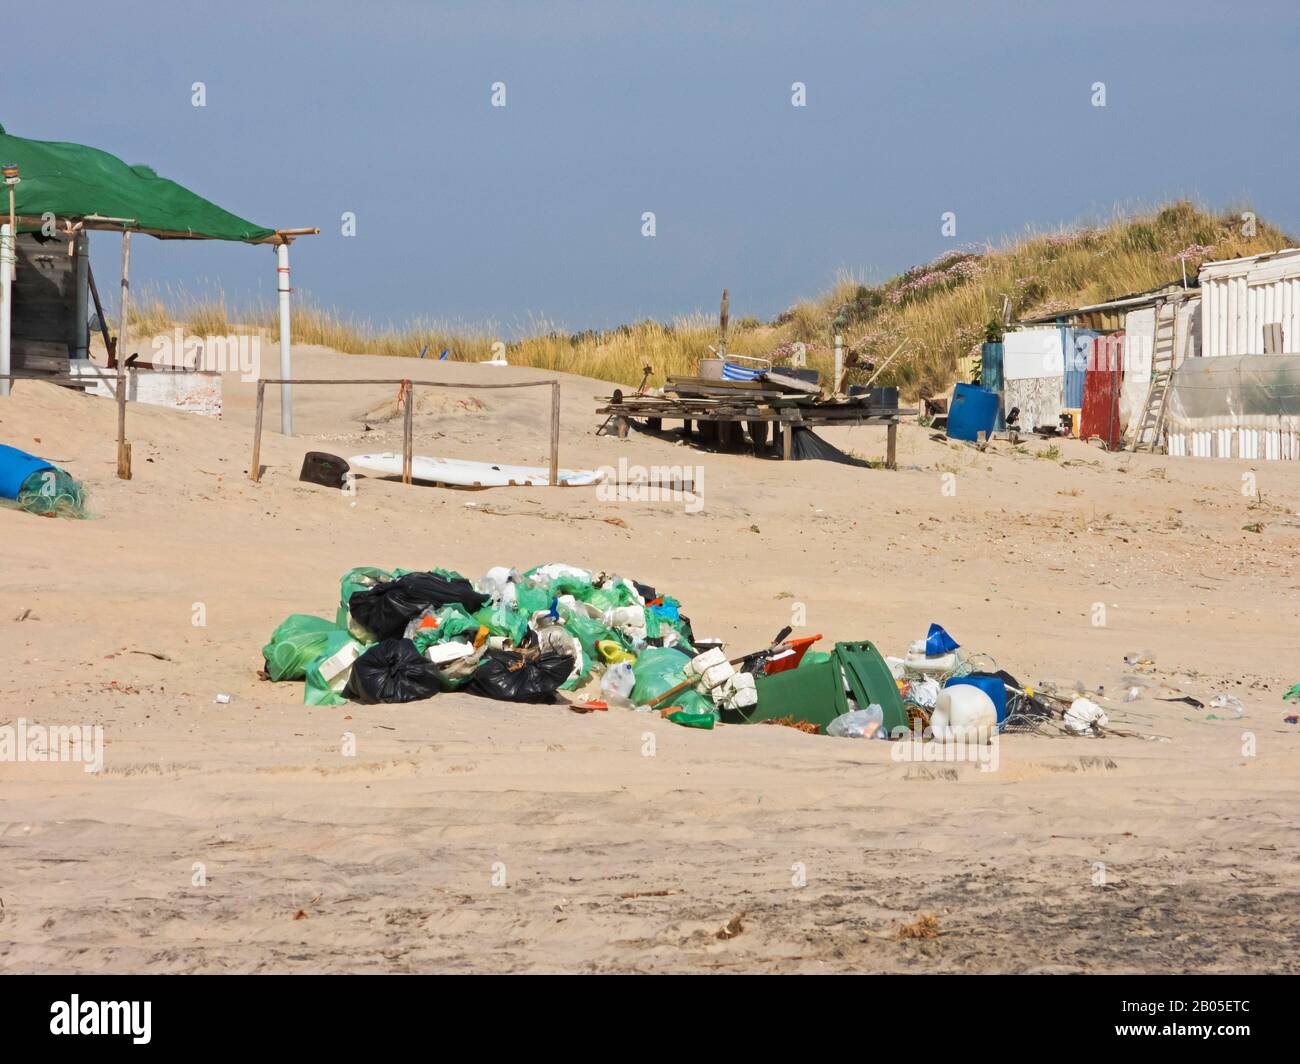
(808, 445)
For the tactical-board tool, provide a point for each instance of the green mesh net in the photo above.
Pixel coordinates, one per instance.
(52, 493)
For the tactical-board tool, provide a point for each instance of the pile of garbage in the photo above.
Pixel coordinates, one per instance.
(401, 636)
(612, 642)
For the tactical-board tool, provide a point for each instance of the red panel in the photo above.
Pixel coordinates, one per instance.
(1101, 381)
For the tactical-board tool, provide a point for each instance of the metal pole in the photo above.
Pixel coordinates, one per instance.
(123, 447)
(80, 324)
(555, 433)
(408, 431)
(286, 360)
(7, 254)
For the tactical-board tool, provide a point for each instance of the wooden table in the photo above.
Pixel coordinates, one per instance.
(728, 407)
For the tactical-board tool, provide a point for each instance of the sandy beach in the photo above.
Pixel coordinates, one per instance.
(467, 835)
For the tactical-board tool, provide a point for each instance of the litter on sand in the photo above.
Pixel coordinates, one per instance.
(599, 641)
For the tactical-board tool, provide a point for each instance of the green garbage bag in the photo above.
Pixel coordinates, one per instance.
(320, 691)
(358, 579)
(580, 677)
(454, 622)
(659, 669)
(589, 632)
(295, 644)
(813, 657)
(532, 599)
(624, 593)
(504, 621)
(601, 598)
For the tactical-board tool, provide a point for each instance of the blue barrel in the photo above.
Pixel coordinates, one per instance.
(15, 467)
(988, 683)
(973, 410)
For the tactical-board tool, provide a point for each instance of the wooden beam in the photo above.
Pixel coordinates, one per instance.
(99, 313)
(891, 446)
(255, 471)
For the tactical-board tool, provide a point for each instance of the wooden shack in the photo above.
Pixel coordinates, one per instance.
(49, 324)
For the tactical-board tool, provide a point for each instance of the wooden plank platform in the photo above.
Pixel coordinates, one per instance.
(750, 404)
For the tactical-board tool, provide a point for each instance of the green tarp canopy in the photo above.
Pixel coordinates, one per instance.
(73, 182)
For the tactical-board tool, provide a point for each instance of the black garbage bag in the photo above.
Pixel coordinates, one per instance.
(520, 676)
(807, 445)
(392, 671)
(385, 609)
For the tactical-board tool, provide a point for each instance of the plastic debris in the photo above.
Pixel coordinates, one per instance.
(1084, 717)
(859, 724)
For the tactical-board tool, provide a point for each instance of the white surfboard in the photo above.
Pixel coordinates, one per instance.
(462, 474)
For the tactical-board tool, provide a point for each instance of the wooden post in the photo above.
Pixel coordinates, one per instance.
(724, 316)
(891, 447)
(555, 433)
(99, 313)
(787, 440)
(255, 472)
(408, 432)
(123, 447)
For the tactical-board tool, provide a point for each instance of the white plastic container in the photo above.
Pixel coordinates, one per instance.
(917, 663)
(442, 653)
(336, 669)
(717, 674)
(964, 713)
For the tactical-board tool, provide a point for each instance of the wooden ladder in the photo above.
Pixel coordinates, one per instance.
(1151, 424)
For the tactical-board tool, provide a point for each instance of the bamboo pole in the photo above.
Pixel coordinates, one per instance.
(555, 433)
(408, 431)
(123, 446)
(255, 471)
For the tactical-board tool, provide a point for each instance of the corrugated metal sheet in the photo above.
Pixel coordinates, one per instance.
(1076, 345)
(991, 378)
(1241, 296)
(1101, 392)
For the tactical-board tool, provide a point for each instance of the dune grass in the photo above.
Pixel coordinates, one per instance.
(943, 309)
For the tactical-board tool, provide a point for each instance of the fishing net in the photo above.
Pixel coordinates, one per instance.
(51, 493)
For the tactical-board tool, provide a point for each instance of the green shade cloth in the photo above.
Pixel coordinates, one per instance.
(72, 181)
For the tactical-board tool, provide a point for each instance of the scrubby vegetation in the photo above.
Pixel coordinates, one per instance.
(944, 309)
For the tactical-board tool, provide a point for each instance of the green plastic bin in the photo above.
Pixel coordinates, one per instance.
(815, 693)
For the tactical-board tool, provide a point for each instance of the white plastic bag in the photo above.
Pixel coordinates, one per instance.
(866, 723)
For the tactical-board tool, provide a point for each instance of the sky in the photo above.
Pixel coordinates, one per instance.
(534, 212)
